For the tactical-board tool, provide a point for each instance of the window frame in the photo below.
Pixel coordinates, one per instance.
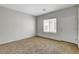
(49, 25)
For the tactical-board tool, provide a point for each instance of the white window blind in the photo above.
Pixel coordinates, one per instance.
(46, 25)
(49, 25)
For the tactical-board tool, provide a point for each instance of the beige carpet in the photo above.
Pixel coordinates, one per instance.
(38, 45)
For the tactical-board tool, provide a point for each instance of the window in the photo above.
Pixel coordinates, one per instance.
(49, 25)
(46, 25)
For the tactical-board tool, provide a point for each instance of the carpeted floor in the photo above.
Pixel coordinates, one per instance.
(38, 45)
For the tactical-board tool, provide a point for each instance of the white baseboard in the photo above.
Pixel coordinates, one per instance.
(5, 42)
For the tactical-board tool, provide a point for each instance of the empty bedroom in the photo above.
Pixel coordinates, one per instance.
(39, 29)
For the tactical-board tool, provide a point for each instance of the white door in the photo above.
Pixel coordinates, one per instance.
(68, 29)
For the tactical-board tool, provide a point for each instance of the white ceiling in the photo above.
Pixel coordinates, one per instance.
(37, 9)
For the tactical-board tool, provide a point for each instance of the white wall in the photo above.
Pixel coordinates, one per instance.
(68, 12)
(15, 25)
